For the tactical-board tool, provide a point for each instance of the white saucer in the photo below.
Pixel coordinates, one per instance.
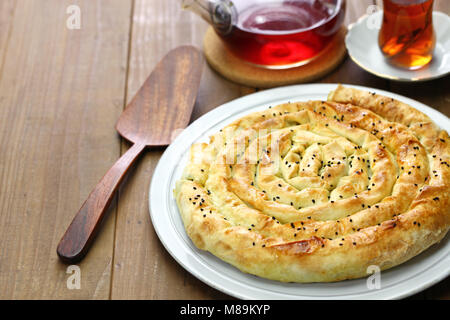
(362, 45)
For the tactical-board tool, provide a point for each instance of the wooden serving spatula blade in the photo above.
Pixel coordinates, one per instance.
(162, 105)
(165, 101)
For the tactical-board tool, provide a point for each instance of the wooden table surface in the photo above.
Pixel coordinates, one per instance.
(61, 92)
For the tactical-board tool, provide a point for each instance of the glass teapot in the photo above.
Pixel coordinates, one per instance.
(273, 34)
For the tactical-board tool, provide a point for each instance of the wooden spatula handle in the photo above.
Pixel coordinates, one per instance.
(78, 237)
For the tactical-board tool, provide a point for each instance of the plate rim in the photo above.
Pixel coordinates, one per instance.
(222, 109)
(357, 23)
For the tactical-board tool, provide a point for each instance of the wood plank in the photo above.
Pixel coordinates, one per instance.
(440, 291)
(435, 95)
(142, 267)
(61, 92)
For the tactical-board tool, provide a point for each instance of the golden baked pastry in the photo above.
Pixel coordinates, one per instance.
(319, 191)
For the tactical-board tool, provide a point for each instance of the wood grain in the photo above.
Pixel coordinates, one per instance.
(348, 72)
(439, 5)
(61, 92)
(436, 95)
(142, 267)
(86, 224)
(138, 252)
(7, 9)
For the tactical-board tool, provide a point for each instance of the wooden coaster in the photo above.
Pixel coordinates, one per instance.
(236, 70)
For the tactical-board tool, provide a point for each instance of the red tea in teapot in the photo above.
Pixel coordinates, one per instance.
(281, 34)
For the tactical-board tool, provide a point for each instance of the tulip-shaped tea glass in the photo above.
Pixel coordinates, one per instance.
(273, 34)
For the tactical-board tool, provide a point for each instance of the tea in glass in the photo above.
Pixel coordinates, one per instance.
(284, 33)
(407, 37)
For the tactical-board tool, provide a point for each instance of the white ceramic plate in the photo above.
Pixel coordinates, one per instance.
(362, 45)
(417, 274)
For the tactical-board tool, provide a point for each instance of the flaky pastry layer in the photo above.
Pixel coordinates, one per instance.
(319, 191)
